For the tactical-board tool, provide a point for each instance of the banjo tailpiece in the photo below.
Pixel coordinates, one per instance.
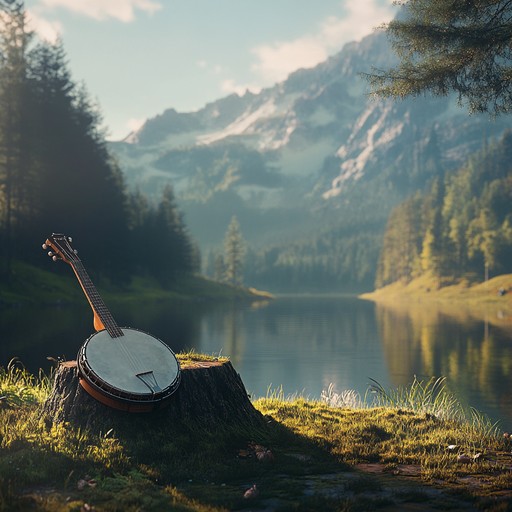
(149, 379)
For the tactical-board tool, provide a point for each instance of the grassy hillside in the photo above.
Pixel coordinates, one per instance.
(31, 285)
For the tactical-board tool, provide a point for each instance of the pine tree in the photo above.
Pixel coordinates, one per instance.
(400, 254)
(80, 188)
(234, 253)
(446, 46)
(15, 177)
(171, 250)
(433, 251)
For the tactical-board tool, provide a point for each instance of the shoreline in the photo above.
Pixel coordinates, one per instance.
(496, 291)
(482, 301)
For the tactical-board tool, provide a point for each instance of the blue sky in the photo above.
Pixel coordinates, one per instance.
(139, 57)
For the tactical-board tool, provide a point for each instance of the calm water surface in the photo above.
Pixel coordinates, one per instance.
(302, 344)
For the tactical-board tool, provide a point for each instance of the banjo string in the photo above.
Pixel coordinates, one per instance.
(106, 317)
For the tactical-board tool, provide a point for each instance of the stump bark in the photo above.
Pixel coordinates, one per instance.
(211, 395)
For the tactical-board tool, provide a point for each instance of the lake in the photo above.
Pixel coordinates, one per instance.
(303, 344)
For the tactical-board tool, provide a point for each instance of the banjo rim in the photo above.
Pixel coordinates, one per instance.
(116, 397)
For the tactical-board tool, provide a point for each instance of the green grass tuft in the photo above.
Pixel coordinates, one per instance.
(19, 387)
(430, 397)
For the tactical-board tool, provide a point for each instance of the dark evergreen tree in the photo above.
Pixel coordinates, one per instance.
(81, 189)
(171, 251)
(16, 187)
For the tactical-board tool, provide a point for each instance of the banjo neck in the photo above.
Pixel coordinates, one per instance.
(103, 319)
(62, 250)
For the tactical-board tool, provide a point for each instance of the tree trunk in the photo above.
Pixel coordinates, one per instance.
(211, 395)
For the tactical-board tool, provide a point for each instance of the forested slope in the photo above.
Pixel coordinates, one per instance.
(460, 228)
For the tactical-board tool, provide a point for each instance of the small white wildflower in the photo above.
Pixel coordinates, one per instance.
(347, 398)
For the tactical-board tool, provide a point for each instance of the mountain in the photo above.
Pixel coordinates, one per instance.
(311, 159)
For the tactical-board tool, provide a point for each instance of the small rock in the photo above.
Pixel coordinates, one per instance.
(81, 484)
(85, 482)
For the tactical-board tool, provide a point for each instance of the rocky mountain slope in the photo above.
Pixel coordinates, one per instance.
(310, 154)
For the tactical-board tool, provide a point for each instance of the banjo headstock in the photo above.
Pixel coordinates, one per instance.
(61, 248)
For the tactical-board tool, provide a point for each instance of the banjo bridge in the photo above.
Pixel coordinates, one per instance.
(149, 380)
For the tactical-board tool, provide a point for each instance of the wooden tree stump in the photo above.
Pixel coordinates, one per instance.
(211, 395)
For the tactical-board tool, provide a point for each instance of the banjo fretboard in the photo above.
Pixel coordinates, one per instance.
(61, 244)
(96, 301)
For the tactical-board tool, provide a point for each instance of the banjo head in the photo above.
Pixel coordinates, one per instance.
(135, 368)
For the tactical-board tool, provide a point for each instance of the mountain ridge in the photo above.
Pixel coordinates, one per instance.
(310, 154)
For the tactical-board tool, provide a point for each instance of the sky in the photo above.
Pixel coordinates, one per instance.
(138, 58)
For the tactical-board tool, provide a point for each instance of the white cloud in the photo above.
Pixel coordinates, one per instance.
(361, 18)
(277, 60)
(122, 10)
(45, 29)
(134, 124)
(229, 86)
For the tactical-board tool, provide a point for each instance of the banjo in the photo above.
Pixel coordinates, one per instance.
(123, 368)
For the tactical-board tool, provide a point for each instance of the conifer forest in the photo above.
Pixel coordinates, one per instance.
(57, 175)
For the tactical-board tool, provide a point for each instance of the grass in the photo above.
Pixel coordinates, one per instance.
(31, 285)
(319, 453)
(431, 397)
(18, 387)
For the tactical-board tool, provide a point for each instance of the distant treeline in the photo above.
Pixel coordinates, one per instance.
(337, 259)
(462, 227)
(57, 175)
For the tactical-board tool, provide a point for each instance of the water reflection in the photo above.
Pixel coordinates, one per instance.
(475, 355)
(302, 344)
